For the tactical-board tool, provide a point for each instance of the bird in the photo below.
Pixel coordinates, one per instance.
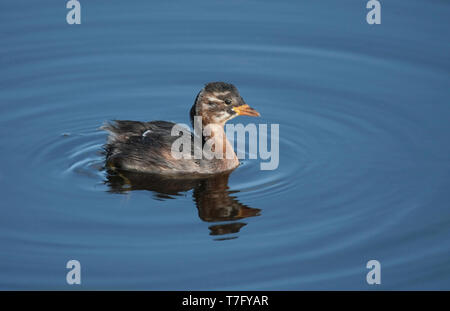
(147, 147)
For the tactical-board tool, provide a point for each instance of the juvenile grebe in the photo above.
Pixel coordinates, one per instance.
(146, 146)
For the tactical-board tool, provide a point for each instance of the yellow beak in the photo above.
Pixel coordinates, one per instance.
(246, 110)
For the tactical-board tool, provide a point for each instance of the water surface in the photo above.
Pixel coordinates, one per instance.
(364, 155)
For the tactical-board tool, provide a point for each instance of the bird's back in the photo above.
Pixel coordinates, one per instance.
(144, 147)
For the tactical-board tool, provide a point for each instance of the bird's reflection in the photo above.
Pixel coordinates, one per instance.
(214, 201)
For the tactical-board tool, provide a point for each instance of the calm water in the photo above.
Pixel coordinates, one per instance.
(364, 145)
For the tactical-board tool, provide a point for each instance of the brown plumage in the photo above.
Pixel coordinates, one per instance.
(146, 146)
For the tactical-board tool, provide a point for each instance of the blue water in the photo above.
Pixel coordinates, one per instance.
(364, 169)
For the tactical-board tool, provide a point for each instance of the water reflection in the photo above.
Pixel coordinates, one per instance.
(214, 201)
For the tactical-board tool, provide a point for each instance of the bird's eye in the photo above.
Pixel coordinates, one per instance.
(228, 101)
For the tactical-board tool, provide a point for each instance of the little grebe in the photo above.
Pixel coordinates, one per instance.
(146, 146)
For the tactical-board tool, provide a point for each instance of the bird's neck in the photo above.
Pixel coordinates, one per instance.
(215, 140)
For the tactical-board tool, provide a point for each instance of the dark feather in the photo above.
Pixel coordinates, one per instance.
(128, 147)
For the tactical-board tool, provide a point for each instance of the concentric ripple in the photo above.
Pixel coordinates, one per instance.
(363, 163)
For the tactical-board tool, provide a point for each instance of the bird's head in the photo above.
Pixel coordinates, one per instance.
(219, 102)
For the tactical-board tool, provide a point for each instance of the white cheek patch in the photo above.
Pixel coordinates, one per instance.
(221, 116)
(213, 99)
(217, 94)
